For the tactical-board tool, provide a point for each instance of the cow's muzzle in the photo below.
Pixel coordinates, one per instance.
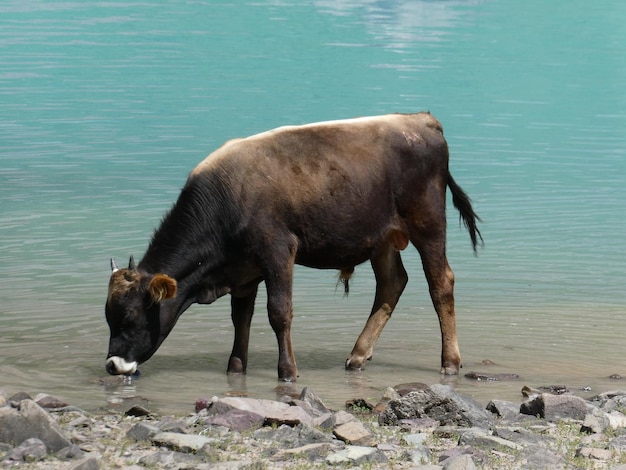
(116, 365)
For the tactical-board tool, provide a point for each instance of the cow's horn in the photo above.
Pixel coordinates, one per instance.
(113, 265)
(131, 263)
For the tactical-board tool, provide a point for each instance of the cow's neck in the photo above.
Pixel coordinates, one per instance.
(189, 246)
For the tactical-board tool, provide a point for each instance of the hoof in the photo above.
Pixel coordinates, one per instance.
(235, 366)
(449, 371)
(354, 364)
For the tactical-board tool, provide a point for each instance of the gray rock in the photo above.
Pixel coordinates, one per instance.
(30, 420)
(595, 421)
(171, 424)
(356, 455)
(335, 419)
(310, 451)
(169, 459)
(468, 407)
(354, 433)
(419, 424)
(617, 419)
(48, 402)
(30, 450)
(481, 439)
(406, 388)
(265, 408)
(555, 407)
(538, 458)
(315, 402)
(182, 442)
(618, 444)
(506, 410)
(287, 437)
(461, 462)
(440, 403)
(71, 452)
(593, 453)
(16, 398)
(142, 431)
(86, 463)
(610, 401)
(417, 439)
(524, 437)
(291, 416)
(420, 455)
(237, 420)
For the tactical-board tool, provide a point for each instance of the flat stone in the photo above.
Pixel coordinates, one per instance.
(49, 402)
(460, 462)
(406, 388)
(419, 424)
(487, 377)
(354, 433)
(310, 451)
(288, 437)
(618, 444)
(540, 458)
(417, 439)
(356, 455)
(167, 459)
(594, 453)
(291, 416)
(480, 439)
(336, 419)
(617, 420)
(265, 408)
(86, 463)
(182, 442)
(237, 420)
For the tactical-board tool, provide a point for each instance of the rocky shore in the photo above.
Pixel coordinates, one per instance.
(414, 426)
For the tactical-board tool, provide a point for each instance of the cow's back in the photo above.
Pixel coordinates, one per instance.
(335, 185)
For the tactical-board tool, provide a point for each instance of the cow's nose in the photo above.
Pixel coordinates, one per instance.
(111, 367)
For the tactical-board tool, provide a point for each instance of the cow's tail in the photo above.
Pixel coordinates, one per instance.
(466, 212)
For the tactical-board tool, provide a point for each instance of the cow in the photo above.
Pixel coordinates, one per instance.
(327, 195)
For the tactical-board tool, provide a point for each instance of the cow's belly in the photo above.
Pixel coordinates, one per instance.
(333, 259)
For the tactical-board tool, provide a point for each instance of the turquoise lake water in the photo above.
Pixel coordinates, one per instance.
(106, 106)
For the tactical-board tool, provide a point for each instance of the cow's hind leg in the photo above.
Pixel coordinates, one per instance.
(242, 309)
(391, 278)
(440, 278)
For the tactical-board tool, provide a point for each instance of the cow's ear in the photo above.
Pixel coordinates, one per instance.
(162, 287)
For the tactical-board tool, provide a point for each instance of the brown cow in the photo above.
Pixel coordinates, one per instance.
(330, 195)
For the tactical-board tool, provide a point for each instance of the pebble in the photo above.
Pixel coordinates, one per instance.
(418, 426)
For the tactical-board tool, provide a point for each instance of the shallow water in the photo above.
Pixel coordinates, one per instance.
(107, 106)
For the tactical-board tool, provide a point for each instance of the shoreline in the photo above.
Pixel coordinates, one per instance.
(412, 426)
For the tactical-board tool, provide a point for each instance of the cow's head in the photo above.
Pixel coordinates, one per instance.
(133, 312)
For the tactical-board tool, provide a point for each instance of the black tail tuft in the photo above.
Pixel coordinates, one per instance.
(466, 212)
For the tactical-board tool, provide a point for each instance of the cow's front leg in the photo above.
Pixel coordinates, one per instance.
(242, 309)
(280, 312)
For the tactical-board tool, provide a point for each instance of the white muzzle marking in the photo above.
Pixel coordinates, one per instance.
(121, 366)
